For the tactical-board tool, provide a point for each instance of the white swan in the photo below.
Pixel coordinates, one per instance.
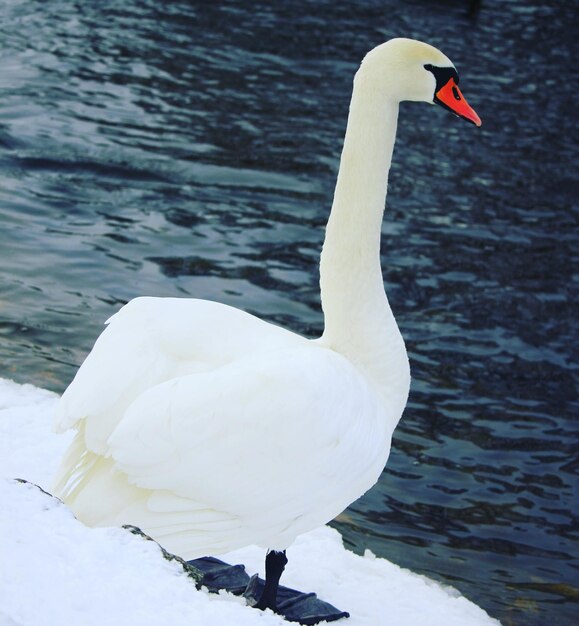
(211, 429)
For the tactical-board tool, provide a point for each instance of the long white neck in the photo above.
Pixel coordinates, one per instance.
(358, 320)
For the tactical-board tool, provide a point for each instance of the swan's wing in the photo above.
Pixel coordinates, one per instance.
(124, 360)
(276, 432)
(149, 341)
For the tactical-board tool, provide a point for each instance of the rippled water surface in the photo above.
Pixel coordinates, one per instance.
(190, 149)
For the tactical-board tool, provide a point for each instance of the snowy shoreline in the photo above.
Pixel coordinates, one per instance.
(55, 571)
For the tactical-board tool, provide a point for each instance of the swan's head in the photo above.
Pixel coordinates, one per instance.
(406, 69)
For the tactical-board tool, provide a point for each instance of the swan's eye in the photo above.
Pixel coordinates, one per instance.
(442, 75)
(456, 93)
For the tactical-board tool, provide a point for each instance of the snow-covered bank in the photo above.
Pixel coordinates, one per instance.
(55, 571)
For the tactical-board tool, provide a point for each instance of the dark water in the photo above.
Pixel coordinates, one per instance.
(189, 148)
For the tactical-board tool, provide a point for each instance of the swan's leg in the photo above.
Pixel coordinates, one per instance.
(275, 563)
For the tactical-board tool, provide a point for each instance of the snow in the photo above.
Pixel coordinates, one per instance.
(54, 570)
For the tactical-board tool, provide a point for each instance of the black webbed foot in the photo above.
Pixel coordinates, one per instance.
(294, 606)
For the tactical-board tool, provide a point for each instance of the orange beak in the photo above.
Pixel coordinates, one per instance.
(451, 98)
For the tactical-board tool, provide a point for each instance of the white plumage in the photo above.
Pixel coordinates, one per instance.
(211, 429)
(225, 448)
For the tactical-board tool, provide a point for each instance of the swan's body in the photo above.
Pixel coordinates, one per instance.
(214, 441)
(211, 429)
